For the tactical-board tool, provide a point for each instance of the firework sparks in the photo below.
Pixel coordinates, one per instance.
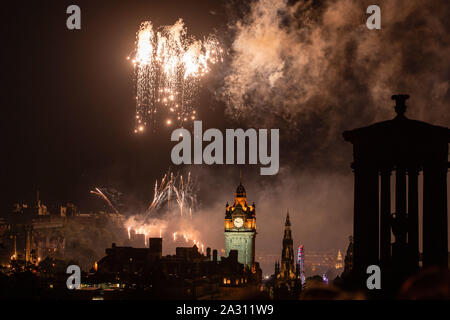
(183, 191)
(101, 194)
(168, 68)
(173, 185)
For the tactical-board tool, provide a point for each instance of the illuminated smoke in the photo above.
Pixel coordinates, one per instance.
(313, 69)
(168, 67)
(178, 196)
(296, 61)
(174, 229)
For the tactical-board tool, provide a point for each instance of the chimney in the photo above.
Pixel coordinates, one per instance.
(155, 245)
(233, 255)
(215, 255)
(208, 253)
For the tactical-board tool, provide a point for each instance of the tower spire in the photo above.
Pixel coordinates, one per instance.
(240, 191)
(288, 222)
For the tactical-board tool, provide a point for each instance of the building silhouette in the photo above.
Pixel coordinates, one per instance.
(348, 261)
(404, 148)
(187, 274)
(286, 282)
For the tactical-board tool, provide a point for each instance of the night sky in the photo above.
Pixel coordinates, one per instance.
(69, 115)
(310, 68)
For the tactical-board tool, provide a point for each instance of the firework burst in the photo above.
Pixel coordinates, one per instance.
(174, 187)
(168, 68)
(104, 195)
(177, 193)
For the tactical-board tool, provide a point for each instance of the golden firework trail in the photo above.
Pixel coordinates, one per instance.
(173, 184)
(184, 192)
(102, 195)
(168, 68)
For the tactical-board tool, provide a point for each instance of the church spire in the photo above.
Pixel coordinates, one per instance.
(288, 222)
(240, 192)
(287, 228)
(287, 255)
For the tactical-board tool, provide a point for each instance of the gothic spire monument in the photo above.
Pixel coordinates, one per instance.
(240, 228)
(287, 269)
(286, 283)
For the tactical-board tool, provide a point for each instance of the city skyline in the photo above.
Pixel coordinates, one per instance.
(204, 124)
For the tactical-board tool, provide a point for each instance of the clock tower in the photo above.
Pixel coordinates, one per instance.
(240, 228)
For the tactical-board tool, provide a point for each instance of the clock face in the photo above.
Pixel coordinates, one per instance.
(238, 222)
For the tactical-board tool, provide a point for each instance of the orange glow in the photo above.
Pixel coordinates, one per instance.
(242, 201)
(228, 224)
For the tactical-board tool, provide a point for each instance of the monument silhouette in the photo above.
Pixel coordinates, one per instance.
(406, 148)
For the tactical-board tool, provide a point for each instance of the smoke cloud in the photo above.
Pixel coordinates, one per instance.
(298, 62)
(313, 69)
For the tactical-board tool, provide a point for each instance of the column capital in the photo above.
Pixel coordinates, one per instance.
(415, 169)
(386, 171)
